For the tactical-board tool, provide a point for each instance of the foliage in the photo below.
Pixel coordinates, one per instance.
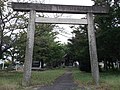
(13, 38)
(78, 47)
(43, 39)
(45, 48)
(11, 23)
(107, 34)
(20, 46)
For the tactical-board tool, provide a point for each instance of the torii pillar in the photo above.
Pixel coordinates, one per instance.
(29, 49)
(93, 49)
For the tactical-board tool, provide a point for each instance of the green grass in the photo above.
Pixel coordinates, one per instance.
(12, 80)
(81, 78)
(108, 80)
(46, 77)
(111, 79)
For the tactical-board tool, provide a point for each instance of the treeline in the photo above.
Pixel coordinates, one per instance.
(13, 34)
(107, 29)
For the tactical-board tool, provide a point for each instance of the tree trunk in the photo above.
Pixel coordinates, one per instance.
(1, 35)
(42, 64)
(105, 65)
(112, 65)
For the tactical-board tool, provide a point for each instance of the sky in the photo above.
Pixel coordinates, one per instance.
(70, 2)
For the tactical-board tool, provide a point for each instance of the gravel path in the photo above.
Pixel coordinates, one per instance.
(65, 82)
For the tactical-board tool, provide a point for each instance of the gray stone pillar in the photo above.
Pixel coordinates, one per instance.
(29, 49)
(92, 49)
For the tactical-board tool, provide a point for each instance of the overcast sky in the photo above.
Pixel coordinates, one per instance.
(70, 2)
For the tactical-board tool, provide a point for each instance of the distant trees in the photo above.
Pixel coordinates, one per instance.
(46, 49)
(79, 48)
(13, 30)
(107, 29)
(108, 34)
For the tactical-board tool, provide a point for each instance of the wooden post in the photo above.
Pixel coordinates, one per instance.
(29, 49)
(92, 49)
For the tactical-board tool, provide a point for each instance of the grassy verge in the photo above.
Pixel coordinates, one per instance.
(108, 80)
(46, 77)
(12, 80)
(111, 79)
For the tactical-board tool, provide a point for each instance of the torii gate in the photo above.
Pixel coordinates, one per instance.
(54, 8)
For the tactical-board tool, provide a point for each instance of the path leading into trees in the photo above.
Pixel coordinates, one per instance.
(64, 82)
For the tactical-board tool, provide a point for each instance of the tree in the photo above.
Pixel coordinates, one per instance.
(11, 23)
(78, 47)
(20, 46)
(43, 39)
(107, 35)
(56, 54)
(46, 49)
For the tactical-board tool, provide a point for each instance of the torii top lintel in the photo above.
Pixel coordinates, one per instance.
(55, 8)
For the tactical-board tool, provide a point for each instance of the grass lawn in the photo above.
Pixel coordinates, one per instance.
(46, 77)
(108, 80)
(12, 80)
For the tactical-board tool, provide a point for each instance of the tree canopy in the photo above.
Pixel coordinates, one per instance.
(107, 29)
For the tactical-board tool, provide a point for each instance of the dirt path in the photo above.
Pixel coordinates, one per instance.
(65, 82)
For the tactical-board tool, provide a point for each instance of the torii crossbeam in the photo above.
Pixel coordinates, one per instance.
(56, 8)
(60, 21)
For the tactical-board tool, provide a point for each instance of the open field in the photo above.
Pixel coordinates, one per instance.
(12, 80)
(108, 80)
